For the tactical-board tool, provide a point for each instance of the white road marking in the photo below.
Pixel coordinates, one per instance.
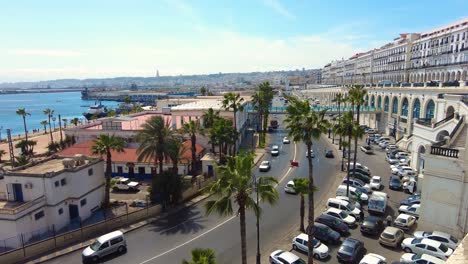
(218, 225)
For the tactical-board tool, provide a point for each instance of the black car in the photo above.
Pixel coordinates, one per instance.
(360, 176)
(329, 154)
(351, 251)
(326, 234)
(395, 183)
(410, 200)
(334, 223)
(372, 225)
(358, 170)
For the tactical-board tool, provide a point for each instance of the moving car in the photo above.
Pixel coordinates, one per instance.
(372, 225)
(289, 187)
(326, 234)
(395, 183)
(275, 150)
(350, 251)
(442, 237)
(372, 258)
(286, 140)
(376, 183)
(341, 215)
(300, 243)
(391, 236)
(329, 154)
(404, 221)
(285, 257)
(418, 258)
(334, 223)
(410, 209)
(367, 149)
(105, 245)
(264, 166)
(426, 246)
(412, 199)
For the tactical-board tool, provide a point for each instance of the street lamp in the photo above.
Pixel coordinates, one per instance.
(255, 182)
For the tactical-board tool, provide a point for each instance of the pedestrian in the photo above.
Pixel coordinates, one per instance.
(361, 215)
(389, 220)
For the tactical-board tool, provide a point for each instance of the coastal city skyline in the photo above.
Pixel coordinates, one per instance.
(183, 37)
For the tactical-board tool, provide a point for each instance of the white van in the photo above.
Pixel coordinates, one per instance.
(105, 245)
(377, 202)
(353, 193)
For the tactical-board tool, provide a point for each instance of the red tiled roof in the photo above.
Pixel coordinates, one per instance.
(129, 154)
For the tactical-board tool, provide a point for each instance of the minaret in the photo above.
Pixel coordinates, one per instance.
(157, 73)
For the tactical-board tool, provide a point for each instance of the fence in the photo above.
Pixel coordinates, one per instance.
(27, 246)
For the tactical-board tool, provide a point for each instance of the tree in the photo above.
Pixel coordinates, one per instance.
(305, 126)
(22, 112)
(338, 100)
(356, 95)
(235, 181)
(202, 256)
(223, 134)
(301, 186)
(65, 120)
(346, 128)
(22, 160)
(2, 152)
(44, 123)
(127, 100)
(203, 90)
(74, 121)
(49, 113)
(192, 128)
(104, 145)
(27, 147)
(235, 102)
(209, 117)
(261, 102)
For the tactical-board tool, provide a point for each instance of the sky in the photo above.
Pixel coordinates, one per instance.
(56, 39)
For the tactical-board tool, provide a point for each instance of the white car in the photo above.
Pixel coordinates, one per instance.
(285, 257)
(402, 155)
(359, 166)
(442, 237)
(356, 183)
(418, 258)
(289, 187)
(404, 221)
(403, 170)
(367, 149)
(300, 243)
(376, 183)
(312, 153)
(342, 215)
(392, 159)
(426, 246)
(408, 176)
(410, 209)
(346, 198)
(286, 140)
(264, 166)
(390, 147)
(372, 258)
(274, 150)
(384, 144)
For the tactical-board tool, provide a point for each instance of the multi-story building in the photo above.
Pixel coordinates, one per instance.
(48, 195)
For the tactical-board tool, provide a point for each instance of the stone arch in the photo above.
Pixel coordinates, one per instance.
(379, 101)
(366, 100)
(450, 111)
(447, 77)
(429, 110)
(395, 105)
(441, 135)
(458, 76)
(386, 103)
(452, 77)
(420, 158)
(463, 76)
(372, 101)
(404, 107)
(438, 76)
(416, 108)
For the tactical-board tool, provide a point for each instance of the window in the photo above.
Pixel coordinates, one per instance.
(83, 202)
(420, 246)
(90, 172)
(57, 183)
(116, 240)
(63, 182)
(104, 246)
(39, 215)
(60, 211)
(433, 249)
(119, 169)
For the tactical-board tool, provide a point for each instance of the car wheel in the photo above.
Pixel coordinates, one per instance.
(122, 249)
(316, 256)
(95, 259)
(408, 250)
(294, 247)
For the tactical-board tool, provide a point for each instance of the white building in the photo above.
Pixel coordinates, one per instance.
(48, 195)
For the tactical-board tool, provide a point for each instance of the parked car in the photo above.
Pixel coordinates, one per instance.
(329, 154)
(138, 203)
(350, 251)
(341, 215)
(264, 166)
(104, 245)
(353, 193)
(300, 243)
(345, 198)
(384, 144)
(275, 150)
(412, 199)
(289, 187)
(391, 236)
(404, 221)
(367, 149)
(334, 223)
(344, 205)
(326, 234)
(410, 209)
(402, 155)
(372, 225)
(360, 166)
(404, 170)
(357, 184)
(285, 257)
(395, 183)
(376, 183)
(391, 159)
(442, 237)
(390, 147)
(360, 176)
(359, 170)
(372, 258)
(286, 140)
(426, 246)
(420, 258)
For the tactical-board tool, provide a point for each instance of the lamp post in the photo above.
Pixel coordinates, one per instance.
(255, 182)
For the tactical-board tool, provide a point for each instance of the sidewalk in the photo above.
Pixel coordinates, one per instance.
(42, 142)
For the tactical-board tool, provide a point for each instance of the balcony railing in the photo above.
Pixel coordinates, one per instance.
(22, 207)
(445, 152)
(448, 118)
(424, 122)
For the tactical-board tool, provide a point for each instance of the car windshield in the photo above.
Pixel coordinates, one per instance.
(387, 235)
(346, 249)
(316, 243)
(343, 214)
(351, 206)
(95, 246)
(443, 248)
(377, 203)
(375, 181)
(415, 257)
(395, 180)
(299, 261)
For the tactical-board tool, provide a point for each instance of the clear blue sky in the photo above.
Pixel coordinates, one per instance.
(54, 39)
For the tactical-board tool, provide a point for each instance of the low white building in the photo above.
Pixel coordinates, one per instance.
(47, 195)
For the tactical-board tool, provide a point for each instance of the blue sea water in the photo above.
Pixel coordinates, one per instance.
(68, 105)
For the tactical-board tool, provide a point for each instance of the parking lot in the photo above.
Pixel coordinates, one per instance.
(378, 166)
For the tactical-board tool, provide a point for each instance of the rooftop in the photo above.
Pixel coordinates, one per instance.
(216, 104)
(131, 122)
(52, 165)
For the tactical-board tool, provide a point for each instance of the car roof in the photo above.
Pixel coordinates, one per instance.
(335, 210)
(404, 216)
(391, 230)
(108, 236)
(337, 200)
(441, 234)
(303, 236)
(291, 182)
(372, 258)
(377, 177)
(350, 241)
(265, 162)
(431, 242)
(288, 256)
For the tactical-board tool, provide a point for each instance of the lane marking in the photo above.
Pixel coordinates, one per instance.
(218, 225)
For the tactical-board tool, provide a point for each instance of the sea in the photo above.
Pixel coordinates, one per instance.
(67, 104)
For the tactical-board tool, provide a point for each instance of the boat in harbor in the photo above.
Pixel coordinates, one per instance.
(96, 111)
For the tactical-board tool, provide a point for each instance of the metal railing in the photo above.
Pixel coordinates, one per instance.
(455, 129)
(445, 152)
(424, 122)
(448, 118)
(22, 207)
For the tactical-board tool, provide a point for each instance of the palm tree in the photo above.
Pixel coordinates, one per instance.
(356, 94)
(305, 125)
(103, 145)
(203, 90)
(192, 128)
(44, 123)
(49, 113)
(202, 256)
(338, 100)
(261, 102)
(2, 152)
(22, 112)
(235, 181)
(235, 102)
(301, 186)
(175, 152)
(75, 121)
(152, 138)
(65, 120)
(209, 117)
